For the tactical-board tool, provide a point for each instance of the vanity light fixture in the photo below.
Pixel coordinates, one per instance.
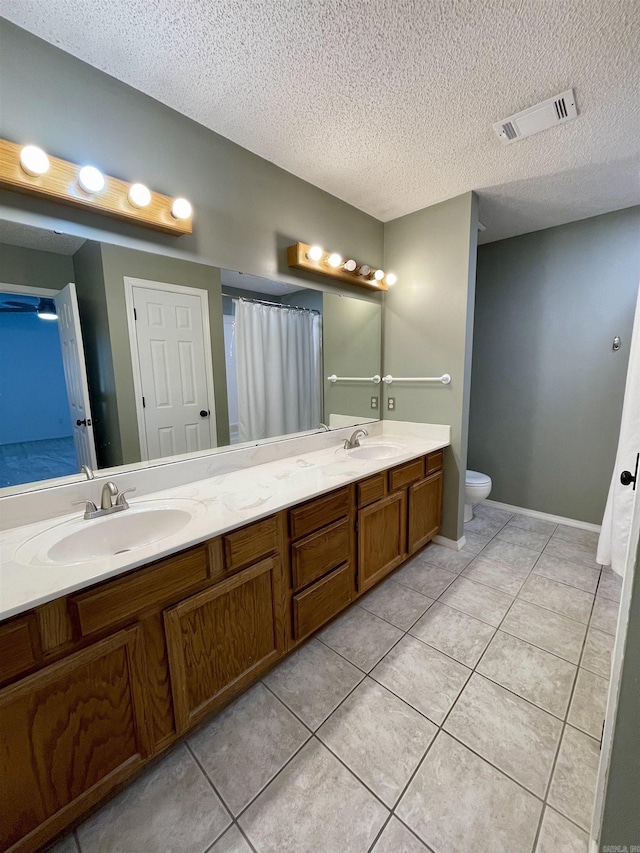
(34, 161)
(314, 259)
(139, 195)
(391, 278)
(91, 180)
(27, 169)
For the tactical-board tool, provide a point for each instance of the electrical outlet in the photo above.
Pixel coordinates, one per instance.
(374, 402)
(391, 403)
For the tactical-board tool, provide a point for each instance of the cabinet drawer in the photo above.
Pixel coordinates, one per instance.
(19, 647)
(320, 552)
(319, 512)
(371, 489)
(405, 474)
(249, 544)
(434, 461)
(120, 600)
(316, 605)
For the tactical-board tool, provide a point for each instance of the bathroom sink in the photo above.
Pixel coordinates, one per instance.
(376, 450)
(80, 541)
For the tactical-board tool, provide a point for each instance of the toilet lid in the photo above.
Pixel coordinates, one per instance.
(475, 478)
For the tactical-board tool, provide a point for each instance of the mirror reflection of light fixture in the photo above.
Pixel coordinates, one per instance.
(139, 195)
(334, 260)
(91, 179)
(315, 253)
(34, 161)
(314, 259)
(46, 309)
(365, 269)
(378, 275)
(349, 265)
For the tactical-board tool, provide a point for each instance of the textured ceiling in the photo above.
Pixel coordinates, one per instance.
(244, 281)
(388, 104)
(28, 237)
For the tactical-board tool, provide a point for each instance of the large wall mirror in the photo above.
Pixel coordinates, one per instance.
(111, 356)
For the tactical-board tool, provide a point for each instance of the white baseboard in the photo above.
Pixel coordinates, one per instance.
(454, 544)
(534, 513)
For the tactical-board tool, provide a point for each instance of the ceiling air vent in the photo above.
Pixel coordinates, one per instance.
(556, 110)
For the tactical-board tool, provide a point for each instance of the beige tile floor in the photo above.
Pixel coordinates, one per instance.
(456, 707)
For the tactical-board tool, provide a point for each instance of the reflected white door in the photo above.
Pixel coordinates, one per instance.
(174, 368)
(75, 375)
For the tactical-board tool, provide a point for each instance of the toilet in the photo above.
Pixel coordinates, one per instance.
(477, 487)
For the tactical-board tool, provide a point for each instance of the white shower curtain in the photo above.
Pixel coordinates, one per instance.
(616, 524)
(278, 364)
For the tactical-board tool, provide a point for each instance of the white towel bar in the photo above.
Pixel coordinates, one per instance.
(375, 379)
(445, 379)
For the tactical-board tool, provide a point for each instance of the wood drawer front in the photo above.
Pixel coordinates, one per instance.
(318, 513)
(406, 474)
(372, 489)
(249, 544)
(434, 461)
(316, 605)
(19, 647)
(320, 552)
(120, 600)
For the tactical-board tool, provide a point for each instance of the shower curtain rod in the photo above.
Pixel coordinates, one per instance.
(270, 304)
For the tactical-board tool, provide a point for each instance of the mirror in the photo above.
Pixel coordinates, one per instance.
(111, 356)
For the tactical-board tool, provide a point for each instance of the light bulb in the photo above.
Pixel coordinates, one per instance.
(139, 195)
(34, 161)
(350, 265)
(334, 259)
(315, 253)
(391, 279)
(181, 208)
(365, 269)
(91, 179)
(378, 275)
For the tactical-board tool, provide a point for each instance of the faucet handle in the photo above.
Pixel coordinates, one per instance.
(121, 500)
(89, 507)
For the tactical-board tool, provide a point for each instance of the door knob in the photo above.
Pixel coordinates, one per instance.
(204, 413)
(627, 478)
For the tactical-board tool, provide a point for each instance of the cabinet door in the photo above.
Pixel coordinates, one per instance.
(425, 511)
(69, 734)
(221, 639)
(382, 538)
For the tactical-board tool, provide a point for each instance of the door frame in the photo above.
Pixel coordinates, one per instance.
(130, 283)
(27, 290)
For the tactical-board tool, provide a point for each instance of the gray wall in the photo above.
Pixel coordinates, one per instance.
(246, 210)
(547, 389)
(33, 268)
(428, 327)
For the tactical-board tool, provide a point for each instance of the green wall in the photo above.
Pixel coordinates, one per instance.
(547, 388)
(428, 328)
(33, 268)
(246, 210)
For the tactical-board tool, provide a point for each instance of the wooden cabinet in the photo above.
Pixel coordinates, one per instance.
(69, 734)
(221, 639)
(424, 511)
(318, 603)
(382, 538)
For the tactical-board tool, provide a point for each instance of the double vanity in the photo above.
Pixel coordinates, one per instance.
(120, 633)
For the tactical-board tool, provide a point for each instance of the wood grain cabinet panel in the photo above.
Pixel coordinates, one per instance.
(319, 512)
(405, 474)
(317, 604)
(320, 552)
(119, 601)
(219, 640)
(425, 511)
(372, 489)
(382, 538)
(19, 646)
(68, 735)
(250, 543)
(434, 461)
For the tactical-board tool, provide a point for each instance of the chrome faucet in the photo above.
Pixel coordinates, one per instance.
(354, 441)
(111, 500)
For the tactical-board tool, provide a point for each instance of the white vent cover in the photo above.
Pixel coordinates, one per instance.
(542, 116)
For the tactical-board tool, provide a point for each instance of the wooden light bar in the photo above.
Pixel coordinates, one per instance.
(297, 259)
(60, 183)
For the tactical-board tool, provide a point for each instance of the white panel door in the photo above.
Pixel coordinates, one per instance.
(75, 375)
(172, 350)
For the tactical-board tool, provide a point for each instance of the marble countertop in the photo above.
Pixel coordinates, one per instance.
(224, 503)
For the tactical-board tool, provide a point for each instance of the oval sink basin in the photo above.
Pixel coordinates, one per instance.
(80, 540)
(376, 450)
